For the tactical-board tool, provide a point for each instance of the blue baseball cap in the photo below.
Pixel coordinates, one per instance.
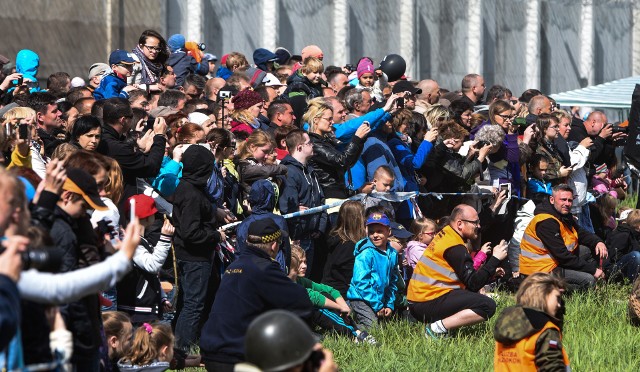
(399, 231)
(380, 218)
(120, 56)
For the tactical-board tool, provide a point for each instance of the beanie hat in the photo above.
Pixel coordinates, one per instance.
(176, 42)
(246, 99)
(602, 168)
(312, 51)
(223, 60)
(365, 66)
(283, 55)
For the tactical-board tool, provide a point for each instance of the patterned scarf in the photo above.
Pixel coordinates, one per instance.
(150, 70)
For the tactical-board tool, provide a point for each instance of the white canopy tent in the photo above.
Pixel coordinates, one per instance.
(613, 95)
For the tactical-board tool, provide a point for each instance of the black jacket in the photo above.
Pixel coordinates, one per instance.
(623, 240)
(251, 285)
(600, 152)
(49, 140)
(9, 310)
(448, 171)
(301, 187)
(299, 91)
(193, 216)
(134, 163)
(331, 164)
(549, 233)
(339, 268)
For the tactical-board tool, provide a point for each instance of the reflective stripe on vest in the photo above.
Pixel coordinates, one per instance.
(521, 356)
(534, 257)
(433, 276)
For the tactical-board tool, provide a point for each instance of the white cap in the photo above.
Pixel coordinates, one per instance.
(271, 81)
(77, 82)
(198, 118)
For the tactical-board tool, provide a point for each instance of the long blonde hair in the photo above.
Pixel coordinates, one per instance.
(257, 139)
(146, 345)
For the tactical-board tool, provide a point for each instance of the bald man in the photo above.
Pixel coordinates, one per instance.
(443, 289)
(212, 87)
(429, 96)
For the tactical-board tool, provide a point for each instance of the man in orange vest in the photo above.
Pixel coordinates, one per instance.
(443, 288)
(550, 243)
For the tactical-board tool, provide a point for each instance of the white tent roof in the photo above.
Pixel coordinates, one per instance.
(614, 94)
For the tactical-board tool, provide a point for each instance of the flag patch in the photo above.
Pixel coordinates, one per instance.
(553, 344)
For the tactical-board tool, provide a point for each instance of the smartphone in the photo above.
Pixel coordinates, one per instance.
(7, 129)
(400, 102)
(132, 210)
(574, 165)
(23, 131)
(506, 187)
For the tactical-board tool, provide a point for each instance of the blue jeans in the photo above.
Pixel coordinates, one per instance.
(584, 219)
(628, 265)
(193, 280)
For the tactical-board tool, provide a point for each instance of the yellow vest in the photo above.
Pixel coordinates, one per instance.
(534, 257)
(433, 276)
(522, 355)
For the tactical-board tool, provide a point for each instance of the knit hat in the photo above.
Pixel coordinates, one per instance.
(283, 55)
(176, 42)
(223, 60)
(602, 168)
(365, 66)
(312, 51)
(99, 69)
(245, 99)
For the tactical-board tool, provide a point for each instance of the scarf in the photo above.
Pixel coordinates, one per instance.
(150, 70)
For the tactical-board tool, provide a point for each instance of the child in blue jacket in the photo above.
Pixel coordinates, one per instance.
(115, 83)
(372, 291)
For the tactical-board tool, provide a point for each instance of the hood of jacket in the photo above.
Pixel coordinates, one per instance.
(197, 165)
(262, 197)
(290, 160)
(365, 244)
(517, 322)
(261, 56)
(27, 63)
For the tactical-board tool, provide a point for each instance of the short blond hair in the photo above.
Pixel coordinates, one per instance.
(18, 113)
(312, 64)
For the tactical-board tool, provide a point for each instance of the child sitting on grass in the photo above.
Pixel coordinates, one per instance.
(331, 312)
(372, 292)
(151, 349)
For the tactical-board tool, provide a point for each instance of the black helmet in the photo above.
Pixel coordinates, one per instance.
(393, 66)
(277, 340)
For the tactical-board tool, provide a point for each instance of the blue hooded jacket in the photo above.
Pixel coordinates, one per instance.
(27, 63)
(375, 153)
(262, 199)
(223, 72)
(374, 275)
(261, 56)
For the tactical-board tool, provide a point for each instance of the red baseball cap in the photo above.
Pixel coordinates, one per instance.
(145, 205)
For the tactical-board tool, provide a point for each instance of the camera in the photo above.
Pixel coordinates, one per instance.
(23, 131)
(481, 144)
(224, 94)
(400, 102)
(619, 129)
(47, 259)
(350, 67)
(202, 46)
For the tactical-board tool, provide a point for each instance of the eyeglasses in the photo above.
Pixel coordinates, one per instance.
(475, 223)
(153, 48)
(506, 117)
(430, 233)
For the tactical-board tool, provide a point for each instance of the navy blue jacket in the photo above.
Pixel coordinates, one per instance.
(184, 64)
(301, 187)
(9, 310)
(251, 285)
(262, 199)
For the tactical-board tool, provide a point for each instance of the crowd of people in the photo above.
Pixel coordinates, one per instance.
(143, 209)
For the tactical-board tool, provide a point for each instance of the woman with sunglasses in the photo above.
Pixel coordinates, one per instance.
(152, 52)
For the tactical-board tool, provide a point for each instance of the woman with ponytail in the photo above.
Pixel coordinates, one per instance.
(151, 349)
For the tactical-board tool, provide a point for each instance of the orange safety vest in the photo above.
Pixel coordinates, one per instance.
(433, 276)
(534, 256)
(521, 356)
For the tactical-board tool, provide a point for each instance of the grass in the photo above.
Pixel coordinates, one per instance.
(597, 336)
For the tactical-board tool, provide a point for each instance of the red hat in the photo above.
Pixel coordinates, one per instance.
(223, 60)
(145, 205)
(246, 99)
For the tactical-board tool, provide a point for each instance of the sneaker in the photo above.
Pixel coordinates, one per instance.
(431, 335)
(366, 338)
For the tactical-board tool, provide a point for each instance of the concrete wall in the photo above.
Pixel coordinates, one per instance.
(554, 45)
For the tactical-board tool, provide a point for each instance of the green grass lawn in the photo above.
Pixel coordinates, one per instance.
(597, 336)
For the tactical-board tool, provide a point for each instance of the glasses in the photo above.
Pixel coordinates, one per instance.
(153, 48)
(506, 117)
(476, 223)
(430, 233)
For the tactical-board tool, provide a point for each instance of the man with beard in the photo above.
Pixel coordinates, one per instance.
(443, 288)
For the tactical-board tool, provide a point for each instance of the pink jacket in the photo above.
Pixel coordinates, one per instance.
(414, 252)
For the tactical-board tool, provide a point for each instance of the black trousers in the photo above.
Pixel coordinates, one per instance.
(452, 303)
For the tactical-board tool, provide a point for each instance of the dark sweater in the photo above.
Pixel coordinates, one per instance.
(339, 268)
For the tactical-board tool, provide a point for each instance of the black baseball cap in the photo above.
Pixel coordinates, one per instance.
(83, 183)
(405, 86)
(267, 230)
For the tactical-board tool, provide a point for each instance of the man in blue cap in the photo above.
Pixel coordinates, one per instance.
(264, 59)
